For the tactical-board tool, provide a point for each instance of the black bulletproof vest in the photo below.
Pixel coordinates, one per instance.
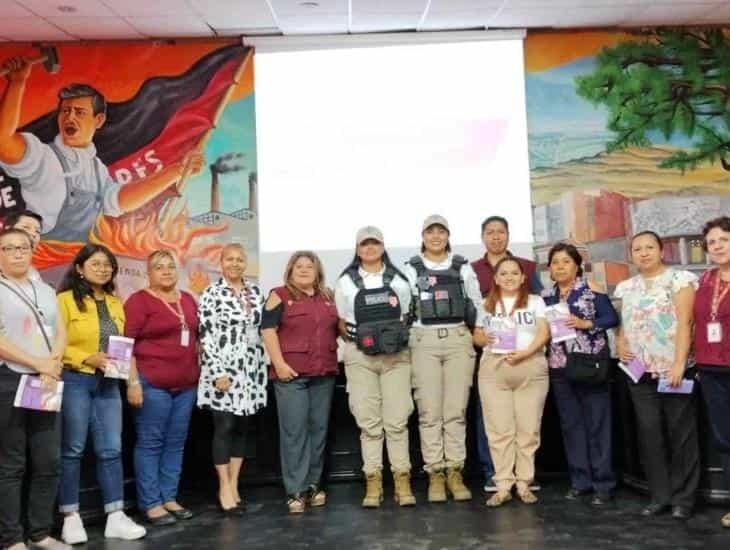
(379, 327)
(441, 295)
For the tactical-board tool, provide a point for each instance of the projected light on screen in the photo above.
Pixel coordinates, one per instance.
(386, 136)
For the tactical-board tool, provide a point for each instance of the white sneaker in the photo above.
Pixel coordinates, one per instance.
(120, 526)
(73, 531)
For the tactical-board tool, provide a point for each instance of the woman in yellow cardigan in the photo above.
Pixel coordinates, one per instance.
(91, 402)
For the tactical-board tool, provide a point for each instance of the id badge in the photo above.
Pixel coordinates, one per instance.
(48, 329)
(184, 337)
(714, 332)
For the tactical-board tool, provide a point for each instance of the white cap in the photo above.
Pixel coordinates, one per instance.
(369, 232)
(435, 219)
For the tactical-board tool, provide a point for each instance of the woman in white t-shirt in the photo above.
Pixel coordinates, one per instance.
(513, 379)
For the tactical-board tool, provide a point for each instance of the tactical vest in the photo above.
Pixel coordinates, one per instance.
(441, 295)
(379, 327)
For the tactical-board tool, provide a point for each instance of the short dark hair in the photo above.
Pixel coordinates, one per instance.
(651, 234)
(723, 222)
(491, 219)
(72, 91)
(12, 231)
(571, 251)
(14, 217)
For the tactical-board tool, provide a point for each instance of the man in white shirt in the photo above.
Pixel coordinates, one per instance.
(64, 181)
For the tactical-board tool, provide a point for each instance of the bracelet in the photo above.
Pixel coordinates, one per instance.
(134, 382)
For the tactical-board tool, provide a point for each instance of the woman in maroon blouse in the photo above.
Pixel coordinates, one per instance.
(712, 338)
(164, 324)
(299, 329)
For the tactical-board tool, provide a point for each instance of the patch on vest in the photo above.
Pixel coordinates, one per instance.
(374, 299)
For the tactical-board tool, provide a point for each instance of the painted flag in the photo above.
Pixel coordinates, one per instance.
(162, 123)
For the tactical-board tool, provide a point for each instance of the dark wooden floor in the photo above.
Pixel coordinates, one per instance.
(552, 523)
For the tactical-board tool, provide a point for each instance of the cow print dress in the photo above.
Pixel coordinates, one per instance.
(230, 345)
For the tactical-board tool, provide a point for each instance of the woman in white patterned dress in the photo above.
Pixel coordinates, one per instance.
(233, 371)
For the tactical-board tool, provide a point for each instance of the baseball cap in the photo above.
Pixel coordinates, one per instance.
(434, 219)
(369, 232)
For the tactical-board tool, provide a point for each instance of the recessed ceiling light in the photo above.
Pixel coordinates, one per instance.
(66, 9)
(309, 4)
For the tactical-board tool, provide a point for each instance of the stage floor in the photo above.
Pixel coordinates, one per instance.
(552, 523)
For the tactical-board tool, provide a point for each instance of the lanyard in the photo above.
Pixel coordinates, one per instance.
(717, 296)
(504, 309)
(33, 300)
(177, 311)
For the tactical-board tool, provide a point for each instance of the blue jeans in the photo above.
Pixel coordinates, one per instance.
(91, 401)
(162, 428)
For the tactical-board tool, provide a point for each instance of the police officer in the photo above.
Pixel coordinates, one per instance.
(446, 291)
(373, 300)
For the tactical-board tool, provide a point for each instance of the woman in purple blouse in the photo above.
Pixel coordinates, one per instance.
(584, 410)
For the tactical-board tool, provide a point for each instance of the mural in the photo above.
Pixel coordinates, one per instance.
(138, 146)
(628, 132)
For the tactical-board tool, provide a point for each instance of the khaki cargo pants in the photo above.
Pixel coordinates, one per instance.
(443, 366)
(513, 399)
(379, 394)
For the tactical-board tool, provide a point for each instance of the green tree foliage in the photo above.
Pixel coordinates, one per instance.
(676, 81)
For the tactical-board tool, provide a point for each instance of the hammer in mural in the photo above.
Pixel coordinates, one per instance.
(64, 180)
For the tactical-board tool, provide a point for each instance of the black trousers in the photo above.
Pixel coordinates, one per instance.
(29, 440)
(585, 420)
(668, 443)
(229, 437)
(716, 393)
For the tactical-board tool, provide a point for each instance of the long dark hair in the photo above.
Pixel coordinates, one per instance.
(387, 262)
(73, 280)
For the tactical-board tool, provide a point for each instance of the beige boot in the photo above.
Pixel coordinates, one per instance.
(436, 486)
(402, 484)
(373, 490)
(455, 484)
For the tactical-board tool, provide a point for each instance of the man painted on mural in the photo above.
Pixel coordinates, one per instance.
(64, 181)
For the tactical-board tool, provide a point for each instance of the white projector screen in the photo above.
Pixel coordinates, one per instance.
(386, 136)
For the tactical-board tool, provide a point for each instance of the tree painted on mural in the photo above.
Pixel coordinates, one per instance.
(676, 81)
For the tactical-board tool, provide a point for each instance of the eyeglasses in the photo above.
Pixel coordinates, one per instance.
(10, 250)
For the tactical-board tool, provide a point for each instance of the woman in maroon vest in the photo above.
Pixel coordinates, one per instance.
(712, 338)
(299, 330)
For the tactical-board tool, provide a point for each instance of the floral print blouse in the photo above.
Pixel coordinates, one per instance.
(585, 304)
(649, 318)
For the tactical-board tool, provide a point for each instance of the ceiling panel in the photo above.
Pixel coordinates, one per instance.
(674, 15)
(9, 8)
(84, 8)
(323, 24)
(283, 8)
(171, 26)
(96, 28)
(717, 16)
(150, 8)
(31, 28)
(574, 17)
(234, 13)
(459, 14)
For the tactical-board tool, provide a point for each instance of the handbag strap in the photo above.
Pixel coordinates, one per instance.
(34, 310)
